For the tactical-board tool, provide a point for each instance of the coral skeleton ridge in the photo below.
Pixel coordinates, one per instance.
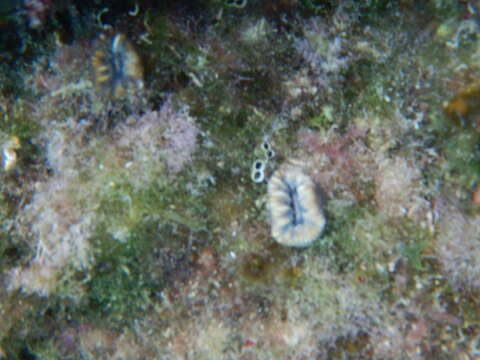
(296, 213)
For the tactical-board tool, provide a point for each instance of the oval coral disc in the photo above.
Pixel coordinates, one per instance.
(296, 214)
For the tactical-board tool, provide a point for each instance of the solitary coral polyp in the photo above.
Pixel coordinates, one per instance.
(296, 214)
(118, 66)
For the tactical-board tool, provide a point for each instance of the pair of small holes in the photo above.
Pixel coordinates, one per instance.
(258, 171)
(268, 150)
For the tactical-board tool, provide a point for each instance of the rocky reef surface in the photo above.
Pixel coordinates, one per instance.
(138, 140)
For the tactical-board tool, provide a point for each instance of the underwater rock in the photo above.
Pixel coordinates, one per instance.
(295, 206)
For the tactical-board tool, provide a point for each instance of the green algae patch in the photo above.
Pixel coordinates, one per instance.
(414, 243)
(132, 247)
(338, 244)
(462, 153)
(121, 285)
(360, 240)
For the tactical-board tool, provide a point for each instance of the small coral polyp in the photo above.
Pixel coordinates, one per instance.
(118, 67)
(296, 214)
(10, 154)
